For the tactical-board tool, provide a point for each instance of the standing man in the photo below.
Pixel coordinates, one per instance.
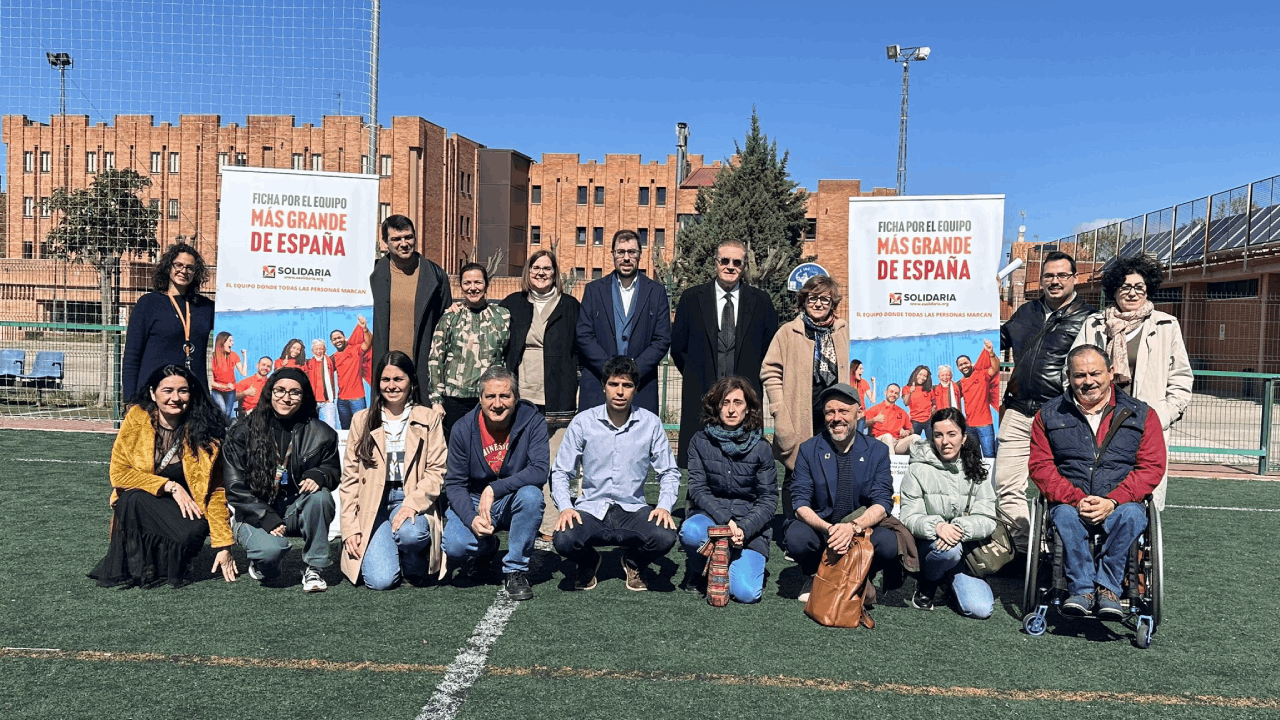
(324, 383)
(623, 313)
(975, 391)
(347, 357)
(722, 328)
(410, 293)
(1040, 334)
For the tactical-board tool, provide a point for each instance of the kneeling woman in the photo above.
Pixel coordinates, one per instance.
(732, 481)
(392, 515)
(281, 463)
(948, 502)
(168, 496)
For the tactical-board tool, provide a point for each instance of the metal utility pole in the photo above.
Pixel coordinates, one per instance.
(60, 62)
(375, 30)
(903, 55)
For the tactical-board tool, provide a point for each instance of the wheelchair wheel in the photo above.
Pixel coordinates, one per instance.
(1145, 630)
(1155, 582)
(1031, 574)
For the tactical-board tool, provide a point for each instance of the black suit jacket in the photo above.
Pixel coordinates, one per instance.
(433, 298)
(559, 348)
(597, 344)
(693, 348)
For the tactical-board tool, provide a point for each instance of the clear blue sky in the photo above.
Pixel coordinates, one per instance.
(1077, 112)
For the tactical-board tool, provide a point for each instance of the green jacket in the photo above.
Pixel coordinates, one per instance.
(934, 492)
(466, 343)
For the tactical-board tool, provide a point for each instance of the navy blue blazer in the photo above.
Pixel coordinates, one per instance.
(596, 342)
(528, 460)
(814, 483)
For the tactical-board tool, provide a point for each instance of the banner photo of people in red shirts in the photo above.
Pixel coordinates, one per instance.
(295, 250)
(924, 315)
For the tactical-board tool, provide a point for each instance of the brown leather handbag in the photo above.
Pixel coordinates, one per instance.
(716, 548)
(839, 585)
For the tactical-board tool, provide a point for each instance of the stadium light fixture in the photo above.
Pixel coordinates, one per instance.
(60, 62)
(906, 56)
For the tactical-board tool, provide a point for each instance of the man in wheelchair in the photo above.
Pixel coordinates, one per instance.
(1096, 454)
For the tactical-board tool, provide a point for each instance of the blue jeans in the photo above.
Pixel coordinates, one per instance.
(520, 513)
(986, 439)
(225, 401)
(1121, 528)
(746, 567)
(328, 412)
(348, 408)
(972, 594)
(391, 554)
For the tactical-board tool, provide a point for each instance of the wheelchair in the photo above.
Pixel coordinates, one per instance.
(1045, 582)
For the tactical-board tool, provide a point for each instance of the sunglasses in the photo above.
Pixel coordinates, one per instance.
(724, 262)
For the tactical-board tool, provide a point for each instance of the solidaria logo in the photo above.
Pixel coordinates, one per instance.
(270, 271)
(895, 298)
(898, 298)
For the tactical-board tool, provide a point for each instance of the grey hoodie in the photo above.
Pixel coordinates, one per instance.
(934, 492)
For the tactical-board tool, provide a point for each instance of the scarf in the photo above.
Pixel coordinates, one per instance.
(735, 443)
(1120, 324)
(543, 302)
(824, 349)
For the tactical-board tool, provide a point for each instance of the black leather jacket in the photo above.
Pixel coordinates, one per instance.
(1040, 348)
(314, 456)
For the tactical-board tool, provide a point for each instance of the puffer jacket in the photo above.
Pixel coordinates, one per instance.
(1039, 358)
(935, 492)
(743, 490)
(314, 457)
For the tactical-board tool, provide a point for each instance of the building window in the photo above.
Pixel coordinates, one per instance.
(46, 162)
(317, 162)
(222, 161)
(44, 207)
(659, 237)
(660, 198)
(173, 162)
(365, 167)
(580, 236)
(810, 229)
(1232, 289)
(28, 161)
(242, 159)
(91, 161)
(28, 250)
(644, 236)
(384, 211)
(579, 273)
(597, 236)
(295, 161)
(155, 163)
(173, 209)
(28, 207)
(386, 166)
(535, 195)
(597, 273)
(599, 194)
(468, 184)
(582, 194)
(535, 235)
(108, 161)
(644, 196)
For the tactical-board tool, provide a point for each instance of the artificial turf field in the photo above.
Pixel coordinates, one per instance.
(218, 650)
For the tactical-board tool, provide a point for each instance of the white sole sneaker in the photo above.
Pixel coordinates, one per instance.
(805, 590)
(255, 573)
(312, 582)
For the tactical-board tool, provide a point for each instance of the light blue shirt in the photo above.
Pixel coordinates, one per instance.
(615, 462)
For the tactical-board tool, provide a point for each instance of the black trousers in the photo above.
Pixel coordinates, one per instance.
(806, 546)
(644, 541)
(454, 409)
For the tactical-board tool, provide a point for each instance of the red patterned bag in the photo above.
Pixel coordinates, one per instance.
(716, 548)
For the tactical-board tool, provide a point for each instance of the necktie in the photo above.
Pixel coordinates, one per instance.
(726, 320)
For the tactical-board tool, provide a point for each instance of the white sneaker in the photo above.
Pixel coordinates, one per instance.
(312, 582)
(255, 573)
(806, 589)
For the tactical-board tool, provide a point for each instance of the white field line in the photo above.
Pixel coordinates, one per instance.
(1233, 509)
(466, 668)
(65, 462)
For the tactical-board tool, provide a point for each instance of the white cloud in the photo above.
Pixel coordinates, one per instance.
(1094, 224)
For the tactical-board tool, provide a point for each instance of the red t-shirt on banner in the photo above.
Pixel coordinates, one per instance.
(976, 390)
(943, 396)
(347, 362)
(224, 369)
(495, 451)
(919, 402)
(256, 381)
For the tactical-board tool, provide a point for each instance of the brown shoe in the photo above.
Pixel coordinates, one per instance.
(634, 581)
(586, 577)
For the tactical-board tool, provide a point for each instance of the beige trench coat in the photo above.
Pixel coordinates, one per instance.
(362, 485)
(787, 376)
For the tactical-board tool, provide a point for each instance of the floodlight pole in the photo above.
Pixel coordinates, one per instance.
(375, 30)
(60, 62)
(904, 55)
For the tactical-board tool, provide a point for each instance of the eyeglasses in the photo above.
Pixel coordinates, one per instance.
(627, 253)
(535, 270)
(1135, 289)
(725, 262)
(279, 392)
(183, 267)
(818, 301)
(1063, 277)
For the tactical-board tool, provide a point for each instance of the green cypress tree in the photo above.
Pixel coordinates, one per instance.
(753, 200)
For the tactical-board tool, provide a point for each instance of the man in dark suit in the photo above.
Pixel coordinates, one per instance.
(722, 328)
(410, 293)
(837, 473)
(623, 313)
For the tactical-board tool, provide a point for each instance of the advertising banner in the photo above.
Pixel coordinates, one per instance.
(295, 250)
(922, 284)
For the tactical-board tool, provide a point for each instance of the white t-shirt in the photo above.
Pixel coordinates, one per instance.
(394, 430)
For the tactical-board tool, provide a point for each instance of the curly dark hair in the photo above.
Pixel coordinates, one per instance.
(975, 471)
(205, 426)
(262, 455)
(365, 446)
(302, 350)
(160, 278)
(928, 381)
(716, 395)
(1144, 265)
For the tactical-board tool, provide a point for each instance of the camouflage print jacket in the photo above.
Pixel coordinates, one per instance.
(464, 345)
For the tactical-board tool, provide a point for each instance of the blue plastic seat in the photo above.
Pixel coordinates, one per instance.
(47, 371)
(11, 364)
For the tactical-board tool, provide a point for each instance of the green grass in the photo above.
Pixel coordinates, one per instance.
(1218, 638)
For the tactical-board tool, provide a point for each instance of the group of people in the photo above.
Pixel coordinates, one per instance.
(484, 417)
